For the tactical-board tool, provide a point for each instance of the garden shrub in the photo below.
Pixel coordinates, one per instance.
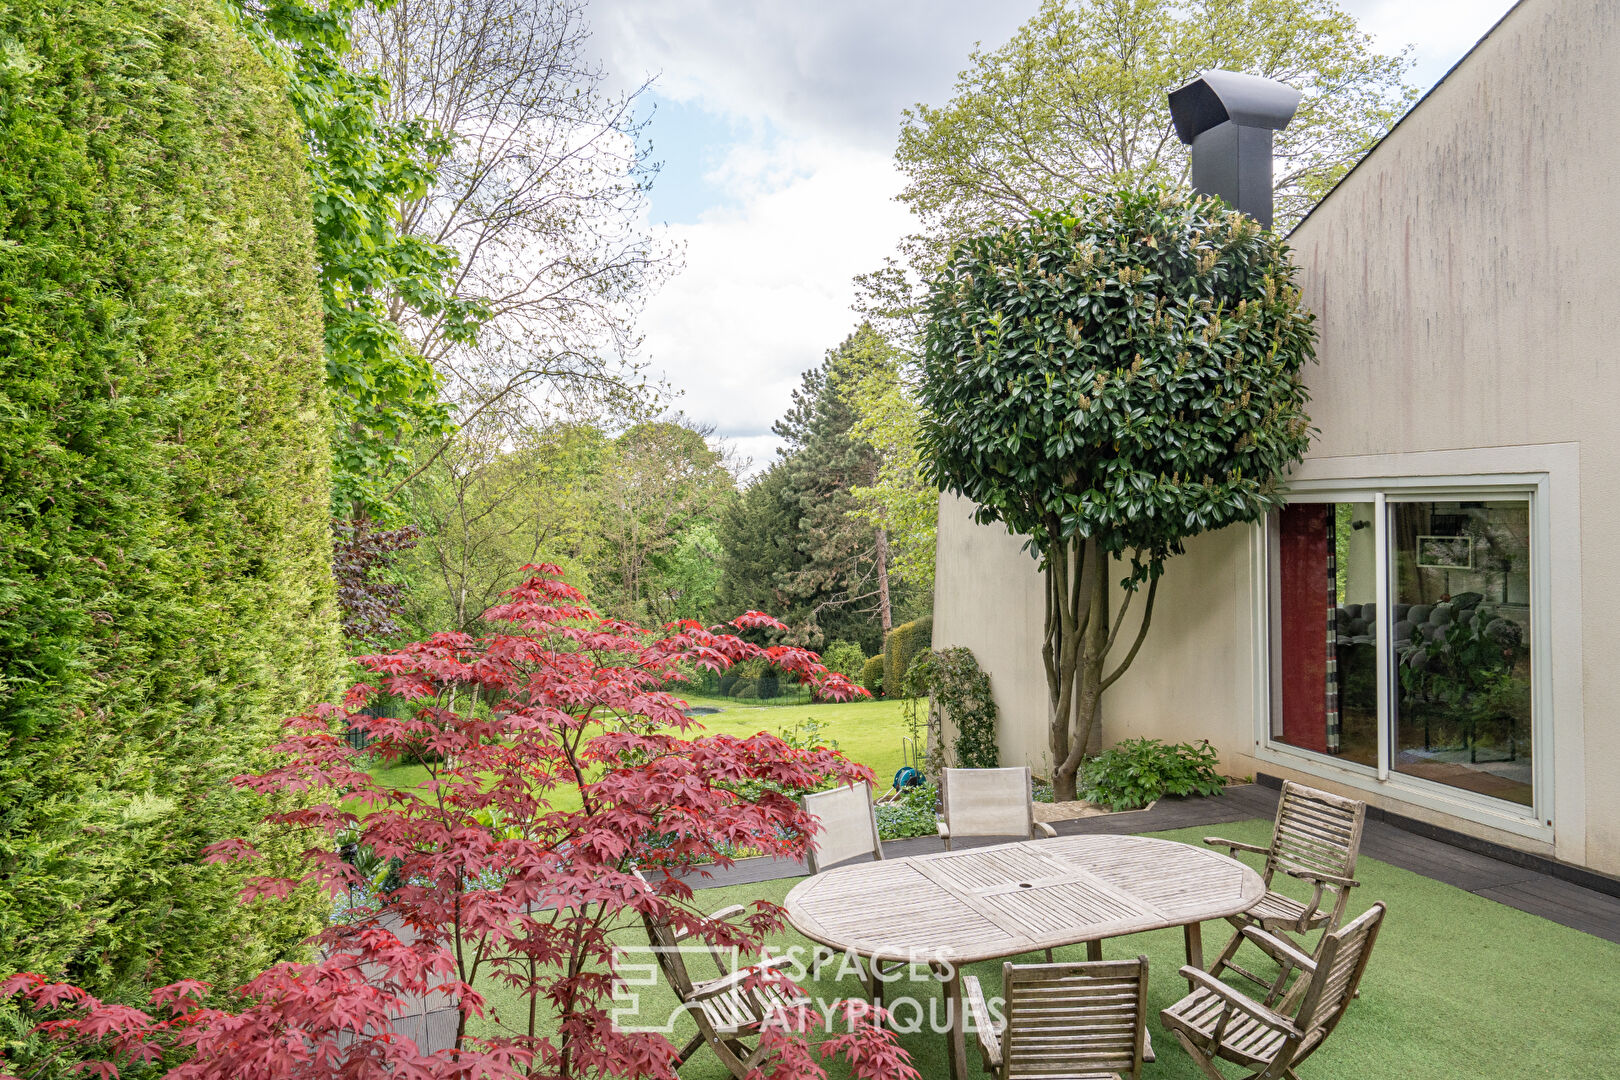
(914, 813)
(1134, 772)
(727, 682)
(166, 590)
(872, 675)
(426, 852)
(744, 688)
(767, 686)
(845, 657)
(904, 643)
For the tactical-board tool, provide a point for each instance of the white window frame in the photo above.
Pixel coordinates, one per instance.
(1550, 483)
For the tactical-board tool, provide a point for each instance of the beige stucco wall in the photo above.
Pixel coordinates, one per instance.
(990, 600)
(1465, 280)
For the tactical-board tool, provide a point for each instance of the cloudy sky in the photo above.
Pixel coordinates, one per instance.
(775, 121)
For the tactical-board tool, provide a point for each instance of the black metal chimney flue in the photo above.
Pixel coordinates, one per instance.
(1227, 118)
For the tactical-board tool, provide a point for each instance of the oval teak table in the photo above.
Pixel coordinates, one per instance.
(958, 907)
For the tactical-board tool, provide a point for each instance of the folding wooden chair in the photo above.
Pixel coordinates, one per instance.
(726, 1009)
(1316, 840)
(1065, 1021)
(1218, 1021)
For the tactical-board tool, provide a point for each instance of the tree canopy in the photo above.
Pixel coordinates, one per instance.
(1108, 382)
(799, 543)
(1075, 102)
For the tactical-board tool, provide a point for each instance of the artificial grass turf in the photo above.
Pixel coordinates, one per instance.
(1458, 987)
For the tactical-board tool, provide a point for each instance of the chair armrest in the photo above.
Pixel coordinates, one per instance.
(1325, 879)
(1240, 1002)
(944, 829)
(1235, 845)
(715, 987)
(1045, 830)
(989, 1037)
(1278, 949)
(723, 915)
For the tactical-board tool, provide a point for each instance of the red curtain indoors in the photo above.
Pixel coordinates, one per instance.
(1304, 555)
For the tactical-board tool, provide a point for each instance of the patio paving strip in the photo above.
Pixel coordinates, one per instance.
(1526, 888)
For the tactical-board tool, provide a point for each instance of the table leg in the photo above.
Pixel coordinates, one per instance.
(1195, 946)
(1094, 950)
(956, 1041)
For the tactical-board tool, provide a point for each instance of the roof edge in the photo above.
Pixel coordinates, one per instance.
(1371, 150)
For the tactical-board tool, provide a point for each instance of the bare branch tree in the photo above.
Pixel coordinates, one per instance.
(542, 183)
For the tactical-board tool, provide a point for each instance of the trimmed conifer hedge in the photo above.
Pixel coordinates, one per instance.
(872, 674)
(165, 585)
(903, 645)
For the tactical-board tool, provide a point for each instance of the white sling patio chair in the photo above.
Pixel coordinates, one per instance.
(988, 802)
(848, 826)
(848, 830)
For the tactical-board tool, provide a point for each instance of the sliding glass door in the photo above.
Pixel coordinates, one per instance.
(1401, 636)
(1461, 634)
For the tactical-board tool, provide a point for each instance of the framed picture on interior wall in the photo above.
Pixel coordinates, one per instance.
(1446, 552)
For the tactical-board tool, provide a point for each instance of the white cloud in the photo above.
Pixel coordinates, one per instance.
(767, 286)
(835, 67)
(1441, 31)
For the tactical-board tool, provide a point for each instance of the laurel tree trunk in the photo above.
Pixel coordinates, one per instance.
(1079, 635)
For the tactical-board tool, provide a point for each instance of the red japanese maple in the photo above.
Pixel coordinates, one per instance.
(558, 767)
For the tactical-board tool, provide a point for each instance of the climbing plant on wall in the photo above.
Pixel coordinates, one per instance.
(957, 690)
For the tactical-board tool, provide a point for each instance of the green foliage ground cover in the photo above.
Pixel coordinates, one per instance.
(1459, 986)
(165, 583)
(1134, 772)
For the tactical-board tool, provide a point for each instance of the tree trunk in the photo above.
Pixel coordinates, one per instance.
(1079, 635)
(884, 611)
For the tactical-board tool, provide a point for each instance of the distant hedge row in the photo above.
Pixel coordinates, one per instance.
(165, 585)
(903, 645)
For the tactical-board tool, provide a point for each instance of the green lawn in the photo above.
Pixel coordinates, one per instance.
(866, 731)
(1458, 987)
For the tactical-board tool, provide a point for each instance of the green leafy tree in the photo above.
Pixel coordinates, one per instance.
(1075, 102)
(1108, 382)
(899, 501)
(492, 502)
(385, 394)
(659, 484)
